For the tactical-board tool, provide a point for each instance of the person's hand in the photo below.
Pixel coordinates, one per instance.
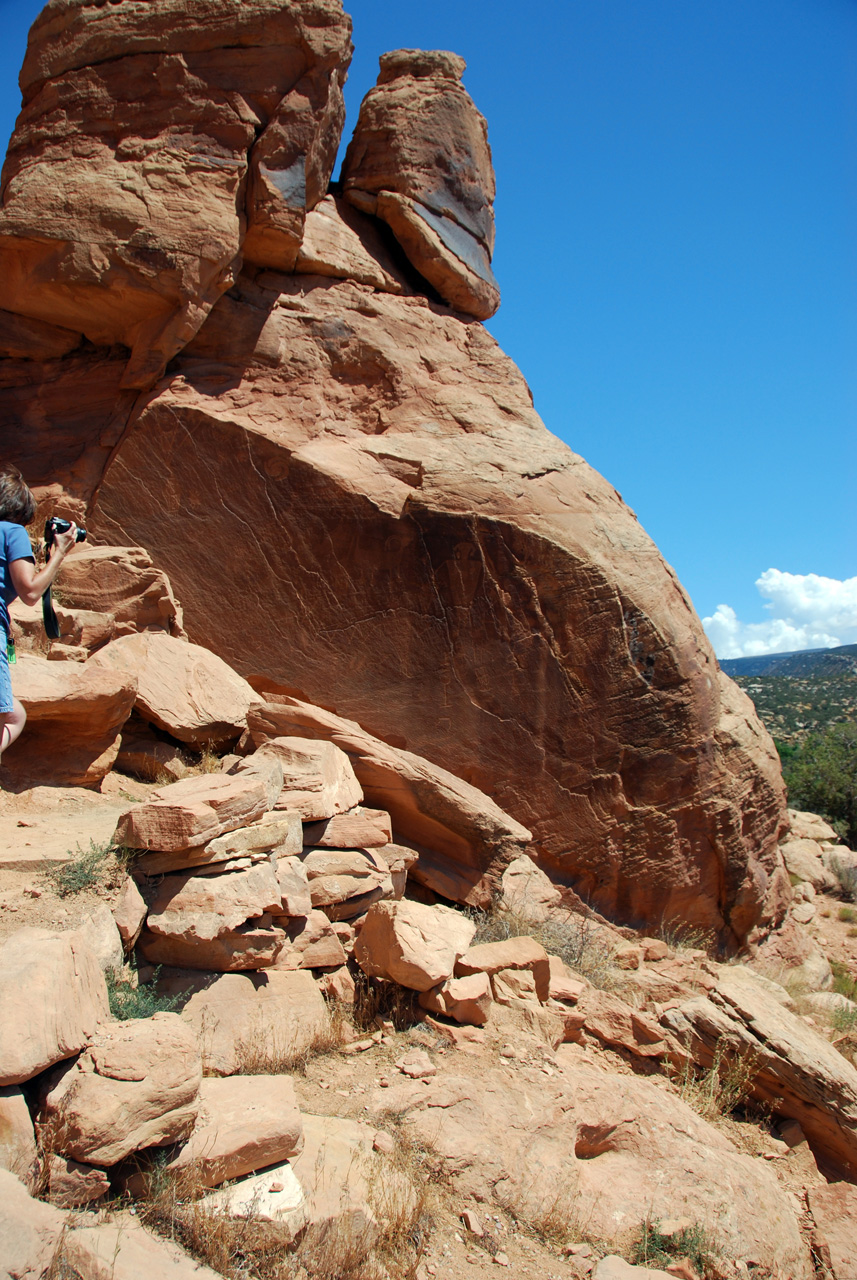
(65, 541)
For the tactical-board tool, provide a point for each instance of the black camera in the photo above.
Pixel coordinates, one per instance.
(57, 525)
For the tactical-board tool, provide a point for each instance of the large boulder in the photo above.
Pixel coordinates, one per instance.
(791, 1068)
(458, 582)
(217, 114)
(411, 943)
(75, 715)
(182, 688)
(52, 997)
(245, 1123)
(420, 160)
(137, 1085)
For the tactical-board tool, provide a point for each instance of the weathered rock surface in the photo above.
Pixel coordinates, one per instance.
(72, 1184)
(834, 1210)
(318, 778)
(514, 954)
(29, 1231)
(587, 1142)
(792, 950)
(129, 235)
(17, 1138)
(345, 882)
(245, 1123)
(79, 706)
(463, 836)
(360, 828)
(52, 996)
(187, 814)
(221, 922)
(136, 1085)
(122, 1249)
(310, 943)
(336, 1170)
(122, 584)
(129, 912)
(411, 943)
(420, 160)
(803, 859)
(794, 1069)
(280, 833)
(99, 932)
(443, 520)
(263, 1019)
(182, 688)
(145, 754)
(527, 892)
(466, 999)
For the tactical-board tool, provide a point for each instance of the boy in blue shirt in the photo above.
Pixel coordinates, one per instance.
(18, 578)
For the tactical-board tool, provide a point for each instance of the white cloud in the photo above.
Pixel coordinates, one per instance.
(807, 612)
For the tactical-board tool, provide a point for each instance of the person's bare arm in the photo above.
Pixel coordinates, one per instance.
(30, 585)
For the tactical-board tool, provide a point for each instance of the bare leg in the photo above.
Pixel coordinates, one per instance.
(11, 725)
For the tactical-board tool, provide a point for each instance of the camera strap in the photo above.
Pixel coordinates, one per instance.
(49, 617)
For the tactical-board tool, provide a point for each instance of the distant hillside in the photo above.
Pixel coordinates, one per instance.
(805, 662)
(799, 693)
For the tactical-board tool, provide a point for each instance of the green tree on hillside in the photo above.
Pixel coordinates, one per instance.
(822, 777)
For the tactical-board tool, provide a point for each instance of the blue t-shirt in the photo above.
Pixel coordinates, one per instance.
(14, 545)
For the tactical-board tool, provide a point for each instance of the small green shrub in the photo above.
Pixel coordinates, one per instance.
(141, 1001)
(653, 1249)
(99, 864)
(847, 915)
(844, 981)
(844, 1020)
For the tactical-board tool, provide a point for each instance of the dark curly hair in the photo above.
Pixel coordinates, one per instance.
(17, 504)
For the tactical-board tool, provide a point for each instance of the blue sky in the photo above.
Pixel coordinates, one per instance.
(676, 212)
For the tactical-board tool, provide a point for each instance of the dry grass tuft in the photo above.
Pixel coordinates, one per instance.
(264, 1052)
(577, 941)
(719, 1090)
(377, 1001)
(401, 1198)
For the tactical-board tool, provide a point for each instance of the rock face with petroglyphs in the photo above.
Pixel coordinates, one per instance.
(286, 397)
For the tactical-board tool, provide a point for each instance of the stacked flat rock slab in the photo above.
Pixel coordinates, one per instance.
(442, 217)
(217, 115)
(182, 688)
(464, 839)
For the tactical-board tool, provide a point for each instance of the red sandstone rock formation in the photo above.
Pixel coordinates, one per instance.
(347, 483)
